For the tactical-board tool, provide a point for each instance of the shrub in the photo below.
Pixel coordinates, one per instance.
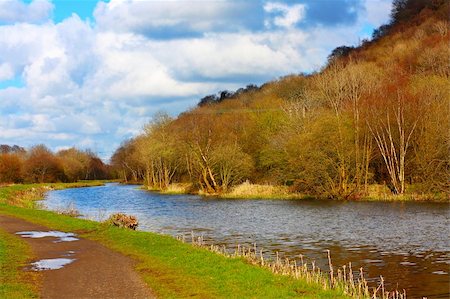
(123, 220)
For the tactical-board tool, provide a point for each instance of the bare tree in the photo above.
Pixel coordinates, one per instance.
(393, 134)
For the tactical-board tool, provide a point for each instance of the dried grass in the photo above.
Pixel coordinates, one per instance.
(343, 278)
(177, 188)
(69, 210)
(26, 198)
(249, 190)
(123, 220)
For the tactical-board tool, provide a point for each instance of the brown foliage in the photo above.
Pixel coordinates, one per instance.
(123, 220)
(42, 166)
(11, 167)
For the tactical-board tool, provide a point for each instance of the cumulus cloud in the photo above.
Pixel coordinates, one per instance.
(15, 11)
(130, 70)
(6, 72)
(236, 57)
(94, 84)
(286, 16)
(169, 19)
(377, 12)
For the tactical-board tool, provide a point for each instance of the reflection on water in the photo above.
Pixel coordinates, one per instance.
(51, 264)
(407, 243)
(61, 236)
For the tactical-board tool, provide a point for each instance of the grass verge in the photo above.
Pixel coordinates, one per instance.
(174, 269)
(14, 254)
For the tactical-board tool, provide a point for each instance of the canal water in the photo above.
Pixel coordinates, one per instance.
(407, 243)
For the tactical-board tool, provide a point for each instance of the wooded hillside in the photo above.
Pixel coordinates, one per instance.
(375, 114)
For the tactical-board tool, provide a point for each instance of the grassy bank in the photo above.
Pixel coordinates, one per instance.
(375, 192)
(24, 195)
(243, 191)
(171, 268)
(378, 192)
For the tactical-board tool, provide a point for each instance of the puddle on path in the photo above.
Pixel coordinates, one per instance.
(440, 272)
(61, 236)
(50, 264)
(69, 253)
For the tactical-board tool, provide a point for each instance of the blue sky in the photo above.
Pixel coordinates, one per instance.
(92, 73)
(65, 8)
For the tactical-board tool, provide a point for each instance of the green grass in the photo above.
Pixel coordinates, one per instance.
(177, 270)
(14, 283)
(25, 195)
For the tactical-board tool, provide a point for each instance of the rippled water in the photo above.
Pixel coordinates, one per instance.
(408, 243)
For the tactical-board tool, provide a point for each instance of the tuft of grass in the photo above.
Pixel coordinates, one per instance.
(69, 210)
(174, 188)
(379, 192)
(248, 190)
(178, 188)
(14, 254)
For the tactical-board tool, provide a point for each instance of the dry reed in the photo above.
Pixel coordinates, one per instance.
(26, 198)
(249, 190)
(342, 278)
(123, 220)
(69, 210)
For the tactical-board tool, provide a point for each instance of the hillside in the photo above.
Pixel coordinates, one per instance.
(376, 117)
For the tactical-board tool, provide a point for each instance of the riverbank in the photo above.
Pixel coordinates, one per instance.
(246, 190)
(25, 195)
(169, 267)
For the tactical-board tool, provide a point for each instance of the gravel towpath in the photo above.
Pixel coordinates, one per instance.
(93, 271)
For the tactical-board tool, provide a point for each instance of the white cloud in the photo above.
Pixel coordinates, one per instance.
(234, 55)
(61, 148)
(377, 12)
(11, 101)
(129, 69)
(6, 72)
(15, 11)
(89, 86)
(290, 15)
(173, 17)
(22, 46)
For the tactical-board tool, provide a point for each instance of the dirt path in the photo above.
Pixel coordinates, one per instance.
(95, 272)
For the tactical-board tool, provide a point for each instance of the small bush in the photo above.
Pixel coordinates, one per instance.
(123, 220)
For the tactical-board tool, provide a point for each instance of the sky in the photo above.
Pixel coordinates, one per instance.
(91, 74)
